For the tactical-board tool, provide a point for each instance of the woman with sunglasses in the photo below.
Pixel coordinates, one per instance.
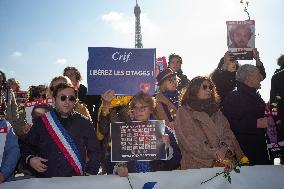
(167, 99)
(203, 132)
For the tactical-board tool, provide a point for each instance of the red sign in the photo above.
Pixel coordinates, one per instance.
(3, 130)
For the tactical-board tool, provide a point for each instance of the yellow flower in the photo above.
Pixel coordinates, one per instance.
(245, 160)
(226, 161)
(120, 101)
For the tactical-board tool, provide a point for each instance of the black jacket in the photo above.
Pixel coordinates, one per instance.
(93, 102)
(277, 89)
(38, 142)
(183, 80)
(225, 81)
(243, 107)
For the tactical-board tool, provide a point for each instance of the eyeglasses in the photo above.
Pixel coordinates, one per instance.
(205, 87)
(70, 98)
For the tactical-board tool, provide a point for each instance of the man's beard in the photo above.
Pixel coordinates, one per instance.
(64, 114)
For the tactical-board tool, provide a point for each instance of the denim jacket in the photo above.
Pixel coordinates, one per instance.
(9, 152)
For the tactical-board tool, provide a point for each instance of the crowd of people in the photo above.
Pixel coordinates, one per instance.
(210, 121)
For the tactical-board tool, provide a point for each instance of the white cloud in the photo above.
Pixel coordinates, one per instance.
(17, 54)
(126, 24)
(119, 22)
(147, 25)
(61, 61)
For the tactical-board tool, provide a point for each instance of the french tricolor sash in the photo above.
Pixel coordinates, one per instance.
(63, 141)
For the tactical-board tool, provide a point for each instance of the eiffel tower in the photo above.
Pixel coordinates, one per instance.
(138, 35)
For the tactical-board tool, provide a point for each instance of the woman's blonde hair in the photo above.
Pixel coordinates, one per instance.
(51, 86)
(15, 82)
(143, 98)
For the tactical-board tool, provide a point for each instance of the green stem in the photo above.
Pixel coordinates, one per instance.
(217, 174)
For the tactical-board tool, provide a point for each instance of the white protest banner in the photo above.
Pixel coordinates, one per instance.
(260, 177)
(76, 182)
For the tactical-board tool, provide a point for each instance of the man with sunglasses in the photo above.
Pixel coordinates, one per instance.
(60, 140)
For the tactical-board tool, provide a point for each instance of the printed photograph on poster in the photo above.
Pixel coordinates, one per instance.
(137, 141)
(37, 107)
(241, 38)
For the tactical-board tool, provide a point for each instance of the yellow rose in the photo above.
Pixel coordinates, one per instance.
(245, 160)
(120, 101)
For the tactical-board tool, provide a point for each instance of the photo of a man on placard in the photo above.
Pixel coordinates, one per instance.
(241, 38)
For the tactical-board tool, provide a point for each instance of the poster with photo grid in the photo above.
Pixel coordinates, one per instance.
(137, 141)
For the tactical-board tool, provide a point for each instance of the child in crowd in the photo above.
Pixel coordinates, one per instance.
(143, 108)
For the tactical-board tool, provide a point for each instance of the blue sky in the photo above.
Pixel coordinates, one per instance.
(38, 39)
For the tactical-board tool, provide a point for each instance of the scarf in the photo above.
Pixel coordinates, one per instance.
(172, 96)
(206, 105)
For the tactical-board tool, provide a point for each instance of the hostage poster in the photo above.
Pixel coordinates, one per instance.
(126, 71)
(241, 39)
(137, 141)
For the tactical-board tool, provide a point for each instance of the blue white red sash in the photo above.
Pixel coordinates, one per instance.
(63, 141)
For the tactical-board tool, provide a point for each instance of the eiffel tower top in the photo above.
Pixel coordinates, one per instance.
(137, 10)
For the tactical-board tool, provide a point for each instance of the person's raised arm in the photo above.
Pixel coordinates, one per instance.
(258, 63)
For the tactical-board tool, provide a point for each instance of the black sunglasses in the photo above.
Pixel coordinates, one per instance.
(205, 87)
(64, 98)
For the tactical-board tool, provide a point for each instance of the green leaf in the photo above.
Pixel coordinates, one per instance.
(237, 170)
(229, 179)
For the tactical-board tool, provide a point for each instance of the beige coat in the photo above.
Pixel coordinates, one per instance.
(200, 136)
(81, 108)
(12, 107)
(160, 112)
